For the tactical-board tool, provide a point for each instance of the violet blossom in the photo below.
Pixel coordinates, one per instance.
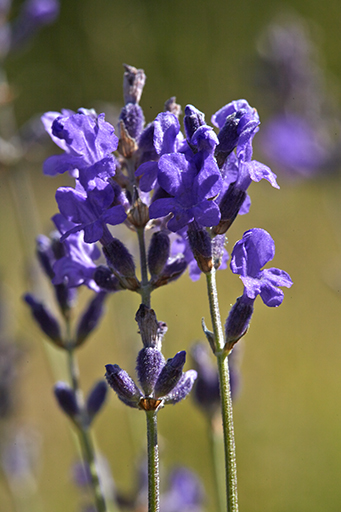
(249, 255)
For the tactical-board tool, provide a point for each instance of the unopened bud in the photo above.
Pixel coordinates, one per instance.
(171, 271)
(170, 375)
(138, 214)
(151, 331)
(126, 145)
(133, 83)
(230, 205)
(90, 318)
(158, 252)
(149, 364)
(96, 398)
(46, 321)
(238, 321)
(106, 280)
(123, 385)
(192, 120)
(200, 243)
(173, 107)
(228, 137)
(66, 399)
(133, 119)
(122, 264)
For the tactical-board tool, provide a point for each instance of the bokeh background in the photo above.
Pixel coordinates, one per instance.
(287, 414)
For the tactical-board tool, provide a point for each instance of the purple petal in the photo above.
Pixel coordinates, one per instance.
(166, 129)
(58, 164)
(207, 213)
(259, 171)
(148, 172)
(170, 169)
(115, 215)
(162, 207)
(72, 204)
(208, 181)
(252, 252)
(277, 277)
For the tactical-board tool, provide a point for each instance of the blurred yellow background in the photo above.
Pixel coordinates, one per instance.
(287, 416)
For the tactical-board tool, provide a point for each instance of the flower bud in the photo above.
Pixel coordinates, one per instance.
(200, 243)
(170, 375)
(46, 321)
(151, 331)
(66, 399)
(182, 388)
(173, 107)
(238, 321)
(126, 145)
(228, 137)
(96, 398)
(106, 280)
(149, 364)
(230, 205)
(90, 318)
(121, 262)
(158, 252)
(206, 389)
(171, 271)
(133, 119)
(192, 120)
(123, 385)
(138, 214)
(133, 83)
(45, 255)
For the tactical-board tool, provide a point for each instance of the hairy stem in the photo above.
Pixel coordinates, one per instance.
(88, 450)
(145, 288)
(217, 448)
(153, 463)
(225, 396)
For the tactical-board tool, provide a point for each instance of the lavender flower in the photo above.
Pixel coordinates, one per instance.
(90, 210)
(249, 255)
(165, 139)
(86, 138)
(77, 267)
(162, 382)
(191, 189)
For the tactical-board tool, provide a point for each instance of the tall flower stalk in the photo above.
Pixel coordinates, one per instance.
(179, 193)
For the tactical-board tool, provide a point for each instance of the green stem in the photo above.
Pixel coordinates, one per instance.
(225, 396)
(89, 455)
(87, 446)
(153, 463)
(217, 448)
(145, 288)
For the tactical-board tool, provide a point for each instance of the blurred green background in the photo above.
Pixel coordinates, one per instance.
(287, 416)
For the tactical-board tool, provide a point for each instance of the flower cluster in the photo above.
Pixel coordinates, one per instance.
(187, 188)
(162, 382)
(179, 192)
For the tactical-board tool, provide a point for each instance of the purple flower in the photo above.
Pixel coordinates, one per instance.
(185, 492)
(33, 15)
(166, 139)
(192, 190)
(249, 255)
(180, 246)
(90, 210)
(292, 143)
(86, 139)
(162, 381)
(77, 267)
